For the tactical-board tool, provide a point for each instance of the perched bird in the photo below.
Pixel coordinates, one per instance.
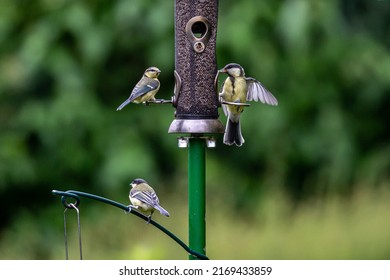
(145, 89)
(238, 89)
(144, 198)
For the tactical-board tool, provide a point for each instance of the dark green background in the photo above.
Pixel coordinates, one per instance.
(310, 182)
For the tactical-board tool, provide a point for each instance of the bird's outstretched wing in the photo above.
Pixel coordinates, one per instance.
(143, 87)
(257, 92)
(146, 197)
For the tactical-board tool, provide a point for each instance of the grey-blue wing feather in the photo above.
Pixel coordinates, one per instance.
(144, 86)
(146, 197)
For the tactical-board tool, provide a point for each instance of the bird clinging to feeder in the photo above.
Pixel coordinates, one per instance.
(238, 89)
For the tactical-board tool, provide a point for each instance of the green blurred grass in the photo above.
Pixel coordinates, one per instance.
(331, 228)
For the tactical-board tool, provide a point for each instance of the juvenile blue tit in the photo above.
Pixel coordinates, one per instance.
(145, 89)
(144, 198)
(238, 89)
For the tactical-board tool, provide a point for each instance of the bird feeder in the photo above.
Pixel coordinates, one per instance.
(195, 99)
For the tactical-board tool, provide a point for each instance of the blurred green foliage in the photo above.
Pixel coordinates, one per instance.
(311, 181)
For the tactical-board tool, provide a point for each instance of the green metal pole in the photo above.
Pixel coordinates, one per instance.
(196, 196)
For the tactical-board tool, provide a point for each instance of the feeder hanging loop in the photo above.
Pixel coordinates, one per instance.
(70, 205)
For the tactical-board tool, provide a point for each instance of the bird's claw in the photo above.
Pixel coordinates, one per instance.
(130, 207)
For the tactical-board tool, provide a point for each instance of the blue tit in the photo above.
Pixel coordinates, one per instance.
(238, 89)
(145, 89)
(144, 198)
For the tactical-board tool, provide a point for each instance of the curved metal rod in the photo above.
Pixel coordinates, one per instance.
(158, 101)
(177, 89)
(235, 103)
(76, 194)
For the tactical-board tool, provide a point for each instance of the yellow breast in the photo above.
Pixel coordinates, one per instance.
(235, 90)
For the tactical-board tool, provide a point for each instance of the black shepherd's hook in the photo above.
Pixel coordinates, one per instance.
(76, 195)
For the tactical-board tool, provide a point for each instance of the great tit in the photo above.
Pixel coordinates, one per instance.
(144, 198)
(238, 89)
(145, 89)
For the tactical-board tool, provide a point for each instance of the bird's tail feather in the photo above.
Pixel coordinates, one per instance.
(123, 105)
(162, 211)
(233, 134)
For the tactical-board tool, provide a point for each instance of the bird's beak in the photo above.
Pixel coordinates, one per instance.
(223, 70)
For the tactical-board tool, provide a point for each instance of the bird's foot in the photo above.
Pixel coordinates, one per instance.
(130, 207)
